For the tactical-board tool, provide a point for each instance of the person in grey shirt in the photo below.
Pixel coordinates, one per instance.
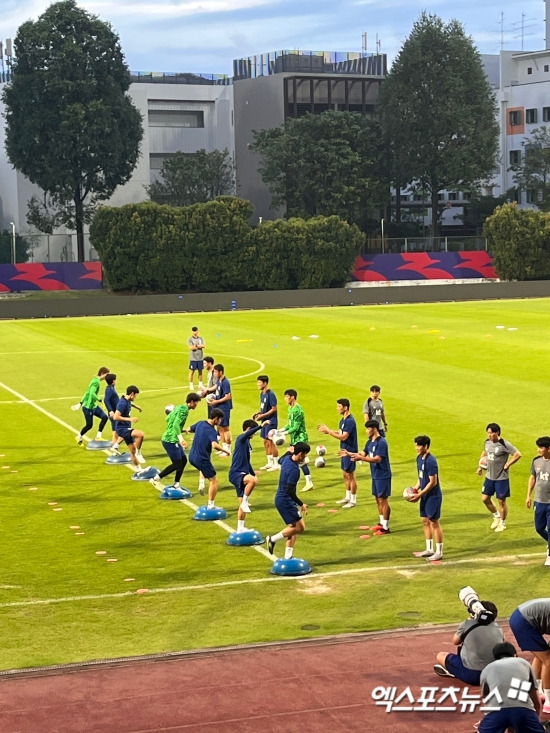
(196, 364)
(498, 455)
(539, 480)
(529, 622)
(373, 409)
(475, 642)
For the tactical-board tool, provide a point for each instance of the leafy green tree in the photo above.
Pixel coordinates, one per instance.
(438, 112)
(194, 178)
(326, 164)
(23, 248)
(71, 127)
(532, 173)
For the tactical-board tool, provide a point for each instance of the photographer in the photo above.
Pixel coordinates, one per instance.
(475, 639)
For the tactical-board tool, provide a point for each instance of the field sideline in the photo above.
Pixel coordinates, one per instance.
(445, 369)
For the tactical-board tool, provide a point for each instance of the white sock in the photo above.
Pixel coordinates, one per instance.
(547, 696)
(201, 482)
(210, 503)
(227, 446)
(381, 519)
(439, 548)
(539, 685)
(98, 436)
(496, 515)
(277, 537)
(244, 502)
(353, 498)
(430, 545)
(191, 386)
(348, 495)
(384, 523)
(309, 481)
(270, 461)
(176, 483)
(288, 552)
(201, 385)
(240, 525)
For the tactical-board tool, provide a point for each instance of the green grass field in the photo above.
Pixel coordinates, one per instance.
(445, 370)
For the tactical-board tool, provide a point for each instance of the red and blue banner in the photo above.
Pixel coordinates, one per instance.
(51, 276)
(424, 266)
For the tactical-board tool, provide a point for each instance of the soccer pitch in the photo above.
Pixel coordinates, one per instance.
(445, 370)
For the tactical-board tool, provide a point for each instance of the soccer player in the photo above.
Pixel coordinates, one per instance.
(174, 443)
(90, 406)
(500, 455)
(110, 400)
(200, 455)
(268, 416)
(530, 622)
(287, 502)
(539, 480)
(347, 435)
(373, 409)
(376, 454)
(241, 473)
(196, 364)
(430, 497)
(296, 429)
(124, 421)
(222, 401)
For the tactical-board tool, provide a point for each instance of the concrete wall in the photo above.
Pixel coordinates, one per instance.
(14, 307)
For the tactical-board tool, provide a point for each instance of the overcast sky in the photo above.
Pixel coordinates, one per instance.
(206, 35)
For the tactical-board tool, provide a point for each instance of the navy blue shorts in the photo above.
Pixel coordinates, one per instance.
(237, 479)
(287, 509)
(453, 662)
(381, 487)
(264, 431)
(500, 488)
(97, 412)
(528, 638)
(522, 719)
(126, 435)
(347, 464)
(205, 467)
(174, 451)
(196, 366)
(226, 416)
(430, 507)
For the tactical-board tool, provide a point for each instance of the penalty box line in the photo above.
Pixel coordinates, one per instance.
(63, 424)
(268, 579)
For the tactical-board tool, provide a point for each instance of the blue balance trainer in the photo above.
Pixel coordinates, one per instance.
(294, 566)
(204, 514)
(98, 444)
(171, 493)
(150, 472)
(121, 459)
(246, 538)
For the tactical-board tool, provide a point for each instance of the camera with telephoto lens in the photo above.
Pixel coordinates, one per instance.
(470, 599)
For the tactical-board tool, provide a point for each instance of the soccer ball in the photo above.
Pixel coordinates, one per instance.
(483, 463)
(271, 434)
(279, 438)
(210, 397)
(320, 462)
(409, 492)
(321, 450)
(168, 409)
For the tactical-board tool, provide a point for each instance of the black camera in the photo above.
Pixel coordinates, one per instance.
(470, 599)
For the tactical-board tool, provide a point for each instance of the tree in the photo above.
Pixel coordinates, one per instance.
(438, 113)
(532, 173)
(326, 164)
(71, 127)
(194, 178)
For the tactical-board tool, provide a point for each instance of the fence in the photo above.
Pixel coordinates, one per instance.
(403, 245)
(44, 248)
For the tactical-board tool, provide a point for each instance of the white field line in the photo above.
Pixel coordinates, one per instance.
(272, 579)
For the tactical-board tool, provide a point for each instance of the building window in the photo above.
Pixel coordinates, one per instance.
(531, 196)
(515, 157)
(546, 114)
(514, 117)
(546, 67)
(466, 196)
(529, 69)
(441, 197)
(176, 118)
(530, 116)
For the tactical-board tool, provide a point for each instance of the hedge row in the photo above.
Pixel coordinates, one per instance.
(519, 240)
(211, 247)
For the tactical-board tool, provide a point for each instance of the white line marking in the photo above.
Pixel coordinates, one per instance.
(271, 579)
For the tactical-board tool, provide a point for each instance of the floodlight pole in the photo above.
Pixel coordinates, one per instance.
(382, 224)
(13, 253)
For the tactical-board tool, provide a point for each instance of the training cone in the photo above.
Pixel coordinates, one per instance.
(245, 539)
(294, 566)
(204, 514)
(171, 493)
(150, 472)
(122, 458)
(99, 444)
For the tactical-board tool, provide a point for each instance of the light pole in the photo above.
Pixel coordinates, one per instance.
(13, 254)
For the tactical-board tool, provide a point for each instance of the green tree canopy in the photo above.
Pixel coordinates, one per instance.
(326, 164)
(438, 112)
(194, 178)
(71, 126)
(532, 173)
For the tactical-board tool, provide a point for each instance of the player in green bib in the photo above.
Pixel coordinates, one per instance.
(296, 429)
(173, 442)
(90, 406)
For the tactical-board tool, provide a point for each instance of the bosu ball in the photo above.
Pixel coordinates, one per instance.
(205, 514)
(293, 566)
(246, 538)
(122, 458)
(150, 472)
(171, 493)
(98, 444)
